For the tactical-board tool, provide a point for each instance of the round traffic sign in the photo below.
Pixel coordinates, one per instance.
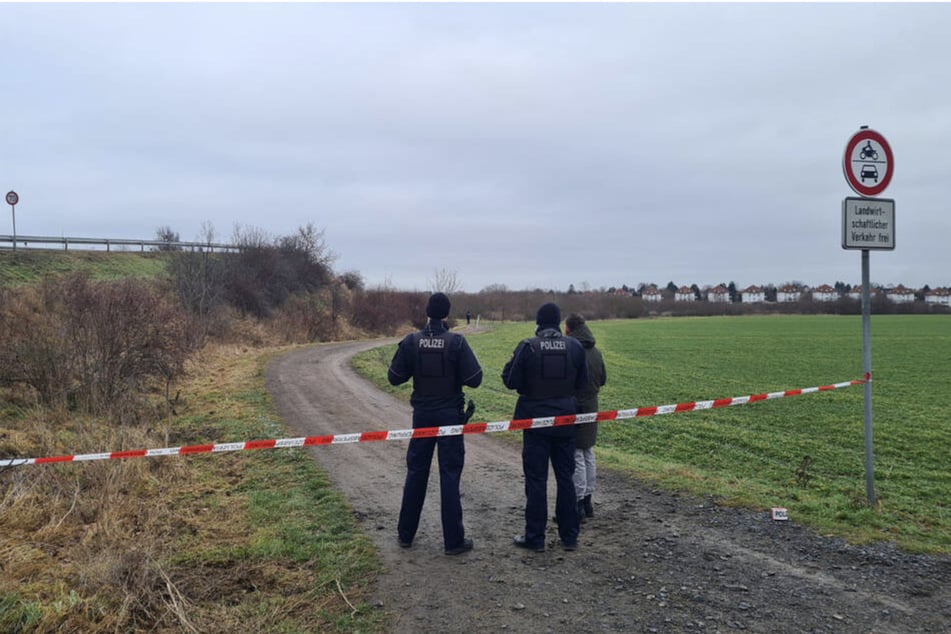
(868, 163)
(12, 198)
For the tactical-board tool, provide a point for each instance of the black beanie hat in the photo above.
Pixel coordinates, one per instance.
(438, 306)
(548, 315)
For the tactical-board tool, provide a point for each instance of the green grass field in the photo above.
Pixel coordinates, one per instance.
(805, 453)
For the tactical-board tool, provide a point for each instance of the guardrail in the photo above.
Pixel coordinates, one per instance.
(157, 245)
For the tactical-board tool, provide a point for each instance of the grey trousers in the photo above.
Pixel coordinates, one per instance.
(585, 472)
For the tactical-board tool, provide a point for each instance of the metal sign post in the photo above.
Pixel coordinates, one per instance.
(867, 373)
(12, 200)
(868, 223)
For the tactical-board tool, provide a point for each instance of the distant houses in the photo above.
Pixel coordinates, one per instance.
(753, 295)
(939, 297)
(685, 294)
(651, 294)
(900, 295)
(788, 293)
(856, 292)
(718, 295)
(824, 293)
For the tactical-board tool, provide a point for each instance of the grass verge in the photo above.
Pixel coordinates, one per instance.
(27, 266)
(255, 541)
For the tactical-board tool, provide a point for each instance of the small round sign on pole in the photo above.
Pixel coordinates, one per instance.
(12, 200)
(868, 163)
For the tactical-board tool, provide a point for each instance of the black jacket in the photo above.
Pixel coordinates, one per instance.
(587, 396)
(462, 366)
(520, 373)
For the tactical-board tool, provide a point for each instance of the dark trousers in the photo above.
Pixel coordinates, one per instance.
(539, 447)
(419, 457)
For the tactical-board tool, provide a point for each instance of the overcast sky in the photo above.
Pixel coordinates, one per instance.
(531, 145)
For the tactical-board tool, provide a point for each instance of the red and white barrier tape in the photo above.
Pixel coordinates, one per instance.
(430, 432)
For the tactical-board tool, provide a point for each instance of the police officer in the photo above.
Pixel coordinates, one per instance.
(546, 370)
(440, 363)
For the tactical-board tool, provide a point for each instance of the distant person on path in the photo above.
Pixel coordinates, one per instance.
(547, 370)
(468, 317)
(587, 397)
(440, 363)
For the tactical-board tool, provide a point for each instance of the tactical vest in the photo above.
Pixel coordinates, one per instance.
(434, 374)
(550, 374)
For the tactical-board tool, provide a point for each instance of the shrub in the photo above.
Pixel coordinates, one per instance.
(266, 272)
(385, 310)
(94, 346)
(305, 318)
(198, 278)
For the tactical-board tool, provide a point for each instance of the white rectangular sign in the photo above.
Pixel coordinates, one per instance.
(868, 223)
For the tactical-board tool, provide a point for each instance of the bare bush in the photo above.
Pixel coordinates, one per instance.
(306, 318)
(266, 272)
(33, 352)
(199, 280)
(95, 346)
(352, 280)
(385, 310)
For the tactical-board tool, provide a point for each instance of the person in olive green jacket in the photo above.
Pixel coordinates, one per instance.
(587, 397)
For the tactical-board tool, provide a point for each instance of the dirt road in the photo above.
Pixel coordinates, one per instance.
(648, 561)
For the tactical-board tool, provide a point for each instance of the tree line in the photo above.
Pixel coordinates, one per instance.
(95, 345)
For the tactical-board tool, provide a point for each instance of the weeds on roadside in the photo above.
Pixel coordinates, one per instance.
(254, 541)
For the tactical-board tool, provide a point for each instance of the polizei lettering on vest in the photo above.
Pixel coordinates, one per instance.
(432, 343)
(554, 344)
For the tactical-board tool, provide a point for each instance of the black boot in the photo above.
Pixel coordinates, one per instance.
(585, 505)
(581, 513)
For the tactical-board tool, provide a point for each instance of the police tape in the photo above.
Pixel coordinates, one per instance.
(431, 432)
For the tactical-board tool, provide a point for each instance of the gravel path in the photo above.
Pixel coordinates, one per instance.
(649, 561)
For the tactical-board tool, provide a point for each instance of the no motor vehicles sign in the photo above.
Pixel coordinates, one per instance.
(868, 163)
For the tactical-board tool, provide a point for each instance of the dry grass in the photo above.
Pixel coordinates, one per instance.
(167, 544)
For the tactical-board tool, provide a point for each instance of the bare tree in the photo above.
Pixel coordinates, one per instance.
(310, 240)
(207, 235)
(169, 237)
(444, 281)
(251, 237)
